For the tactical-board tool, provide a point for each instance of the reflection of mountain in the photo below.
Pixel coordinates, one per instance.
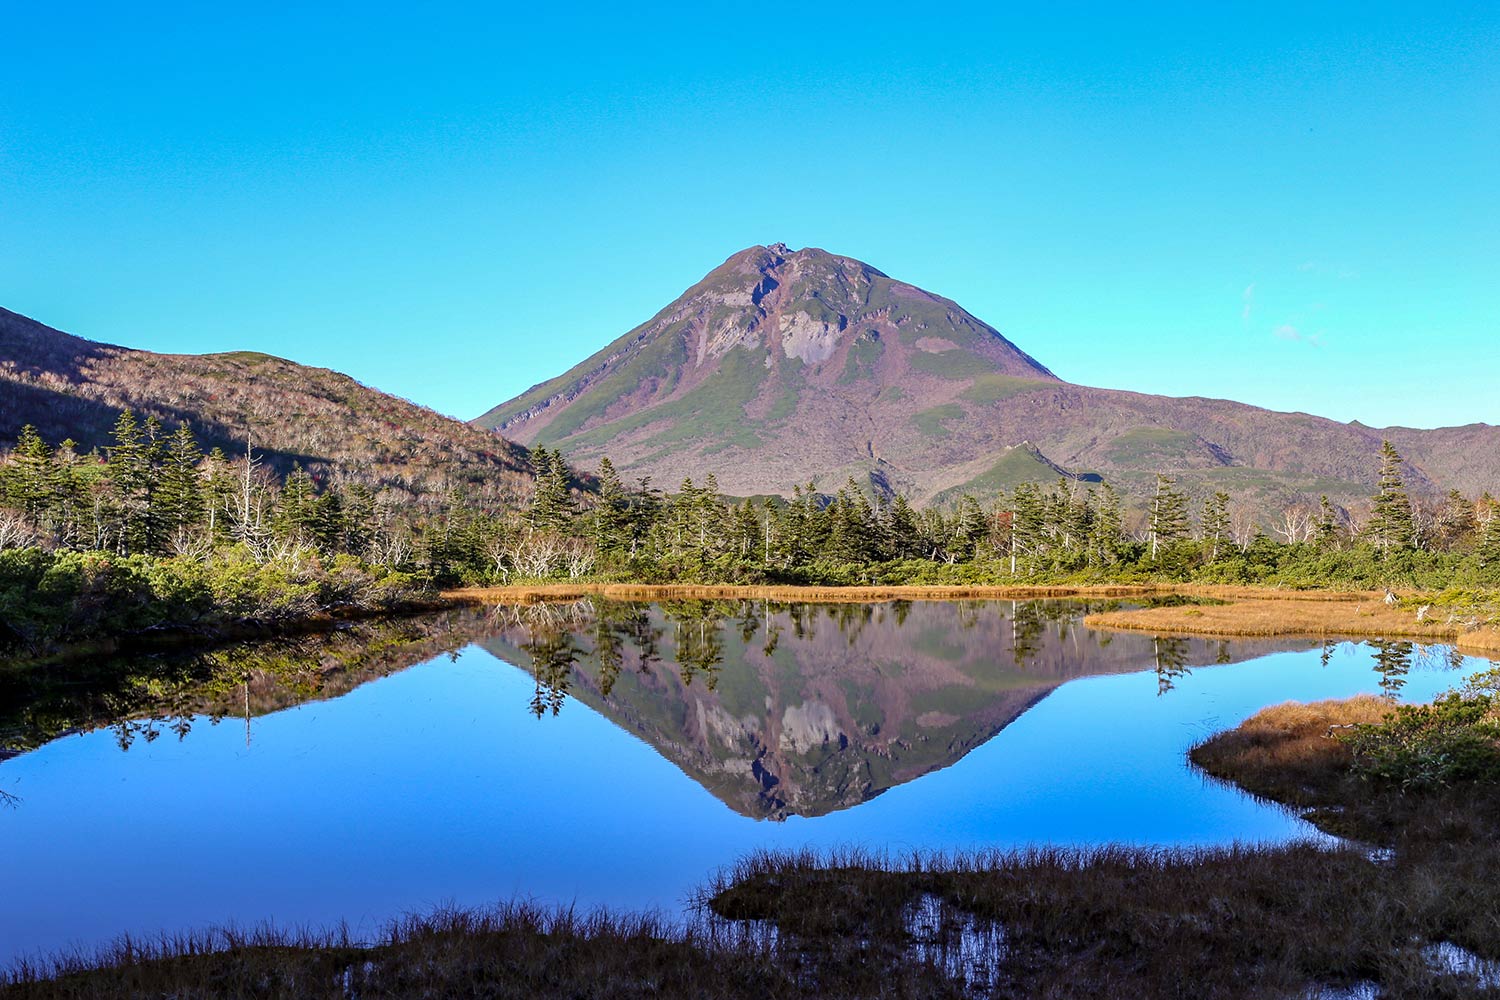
(777, 711)
(811, 709)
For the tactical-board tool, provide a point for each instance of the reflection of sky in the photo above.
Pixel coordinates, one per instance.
(435, 785)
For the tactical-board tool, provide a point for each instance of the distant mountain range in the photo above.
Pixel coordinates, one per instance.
(779, 368)
(787, 366)
(68, 387)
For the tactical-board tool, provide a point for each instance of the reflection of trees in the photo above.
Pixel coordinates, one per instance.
(143, 697)
(1171, 662)
(1027, 626)
(1393, 660)
(553, 653)
(802, 618)
(698, 627)
(852, 619)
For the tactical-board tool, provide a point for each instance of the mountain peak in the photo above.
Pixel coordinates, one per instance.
(770, 340)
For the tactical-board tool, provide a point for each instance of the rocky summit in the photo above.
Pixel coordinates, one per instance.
(783, 367)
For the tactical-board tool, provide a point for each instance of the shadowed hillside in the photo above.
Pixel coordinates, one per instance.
(68, 387)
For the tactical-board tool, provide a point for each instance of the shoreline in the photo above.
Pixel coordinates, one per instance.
(524, 593)
(1264, 617)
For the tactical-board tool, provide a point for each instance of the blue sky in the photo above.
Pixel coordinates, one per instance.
(1295, 207)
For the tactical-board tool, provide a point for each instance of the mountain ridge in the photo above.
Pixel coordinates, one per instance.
(325, 421)
(782, 367)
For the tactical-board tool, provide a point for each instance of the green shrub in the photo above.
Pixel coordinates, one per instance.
(1420, 747)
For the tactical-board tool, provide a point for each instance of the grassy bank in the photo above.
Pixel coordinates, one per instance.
(1469, 619)
(524, 593)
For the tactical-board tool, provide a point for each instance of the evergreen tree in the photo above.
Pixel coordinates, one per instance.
(329, 520)
(1028, 524)
(611, 514)
(1169, 517)
(179, 499)
(26, 481)
(901, 528)
(1215, 524)
(1489, 547)
(132, 479)
(552, 506)
(294, 511)
(1109, 524)
(1327, 531)
(1390, 526)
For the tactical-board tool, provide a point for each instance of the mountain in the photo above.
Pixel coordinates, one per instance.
(68, 387)
(783, 367)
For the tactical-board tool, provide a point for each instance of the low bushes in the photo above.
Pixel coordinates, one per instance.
(52, 598)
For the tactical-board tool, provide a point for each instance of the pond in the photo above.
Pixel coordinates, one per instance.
(616, 753)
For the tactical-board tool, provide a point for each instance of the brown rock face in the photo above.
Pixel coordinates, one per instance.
(782, 367)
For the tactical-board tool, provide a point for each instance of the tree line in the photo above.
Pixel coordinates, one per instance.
(156, 493)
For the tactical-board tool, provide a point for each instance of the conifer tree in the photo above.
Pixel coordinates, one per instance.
(1028, 524)
(179, 496)
(1327, 530)
(611, 514)
(1109, 522)
(26, 480)
(1169, 517)
(552, 504)
(902, 528)
(1489, 547)
(294, 511)
(1215, 524)
(132, 478)
(1390, 526)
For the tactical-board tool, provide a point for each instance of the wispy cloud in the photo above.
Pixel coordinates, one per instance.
(1247, 303)
(1288, 332)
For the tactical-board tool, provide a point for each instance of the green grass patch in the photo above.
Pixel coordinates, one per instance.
(994, 387)
(955, 365)
(933, 422)
(1017, 466)
(1147, 444)
(864, 354)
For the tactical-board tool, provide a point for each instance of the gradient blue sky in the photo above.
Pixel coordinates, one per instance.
(1294, 205)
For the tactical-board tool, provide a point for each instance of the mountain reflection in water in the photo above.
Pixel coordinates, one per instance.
(803, 709)
(776, 709)
(584, 754)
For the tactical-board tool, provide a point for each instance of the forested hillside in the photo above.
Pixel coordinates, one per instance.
(328, 424)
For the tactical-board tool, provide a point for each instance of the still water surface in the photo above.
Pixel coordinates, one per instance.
(617, 753)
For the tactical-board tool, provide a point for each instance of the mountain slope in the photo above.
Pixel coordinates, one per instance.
(783, 367)
(69, 387)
